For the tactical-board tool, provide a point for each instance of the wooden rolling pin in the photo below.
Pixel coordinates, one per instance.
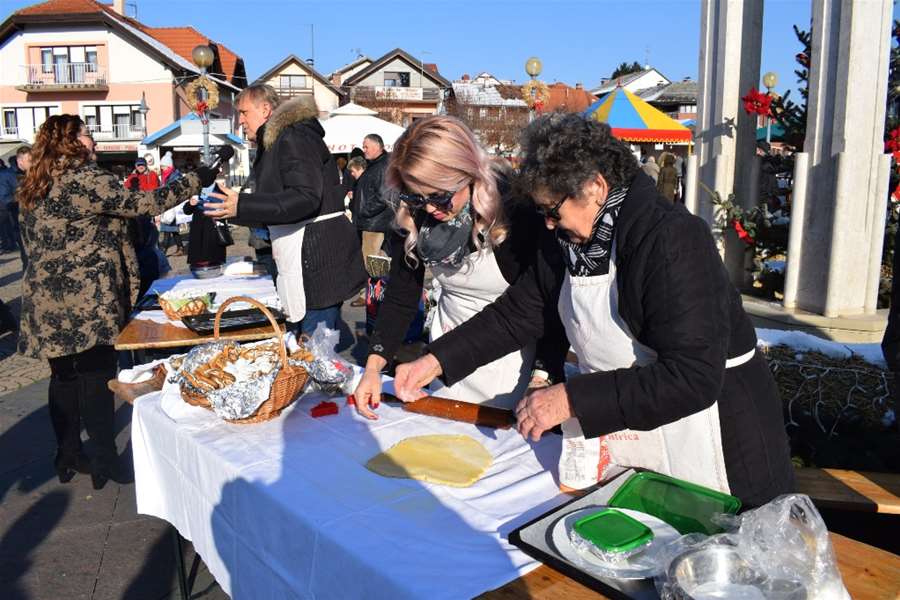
(457, 410)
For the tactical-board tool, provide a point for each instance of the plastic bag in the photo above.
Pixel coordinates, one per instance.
(779, 551)
(328, 372)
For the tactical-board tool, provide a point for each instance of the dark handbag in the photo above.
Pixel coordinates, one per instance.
(223, 234)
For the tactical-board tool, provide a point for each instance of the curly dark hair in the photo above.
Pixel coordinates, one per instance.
(56, 149)
(561, 151)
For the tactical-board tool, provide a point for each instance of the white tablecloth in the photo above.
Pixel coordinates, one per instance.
(258, 287)
(287, 509)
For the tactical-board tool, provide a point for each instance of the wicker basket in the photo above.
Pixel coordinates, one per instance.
(195, 307)
(287, 385)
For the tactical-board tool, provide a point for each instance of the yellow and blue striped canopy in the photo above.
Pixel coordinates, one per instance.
(633, 120)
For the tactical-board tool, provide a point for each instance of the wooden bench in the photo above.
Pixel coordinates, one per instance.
(851, 490)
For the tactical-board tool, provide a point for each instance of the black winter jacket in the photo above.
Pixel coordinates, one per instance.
(372, 212)
(676, 298)
(296, 179)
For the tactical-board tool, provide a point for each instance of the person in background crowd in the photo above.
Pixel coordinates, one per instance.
(9, 207)
(142, 178)
(8, 184)
(152, 261)
(373, 217)
(667, 182)
(651, 168)
(460, 220)
(347, 179)
(679, 170)
(81, 283)
(204, 247)
(355, 168)
(298, 196)
(666, 352)
(168, 221)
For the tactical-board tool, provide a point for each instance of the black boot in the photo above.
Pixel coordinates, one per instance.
(8, 321)
(64, 415)
(97, 406)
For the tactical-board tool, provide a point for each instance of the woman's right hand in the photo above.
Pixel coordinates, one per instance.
(368, 393)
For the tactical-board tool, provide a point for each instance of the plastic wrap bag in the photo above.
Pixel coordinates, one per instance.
(779, 551)
(328, 372)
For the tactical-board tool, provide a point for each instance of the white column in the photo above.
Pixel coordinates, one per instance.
(730, 46)
(845, 177)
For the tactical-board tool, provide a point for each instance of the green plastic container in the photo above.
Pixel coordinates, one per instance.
(686, 506)
(613, 531)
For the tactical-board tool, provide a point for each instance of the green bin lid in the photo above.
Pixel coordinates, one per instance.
(613, 531)
(686, 506)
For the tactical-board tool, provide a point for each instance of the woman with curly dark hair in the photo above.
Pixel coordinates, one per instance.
(670, 377)
(80, 283)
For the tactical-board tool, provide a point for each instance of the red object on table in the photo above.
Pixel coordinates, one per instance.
(351, 400)
(323, 409)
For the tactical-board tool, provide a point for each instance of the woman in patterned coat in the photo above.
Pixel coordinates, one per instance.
(80, 283)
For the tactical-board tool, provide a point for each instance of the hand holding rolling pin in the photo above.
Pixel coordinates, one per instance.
(542, 409)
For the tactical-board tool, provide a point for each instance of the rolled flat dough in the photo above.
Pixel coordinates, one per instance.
(455, 460)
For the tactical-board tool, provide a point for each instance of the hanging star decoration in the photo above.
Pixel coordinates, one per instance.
(756, 102)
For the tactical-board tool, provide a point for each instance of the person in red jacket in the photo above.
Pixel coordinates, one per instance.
(142, 178)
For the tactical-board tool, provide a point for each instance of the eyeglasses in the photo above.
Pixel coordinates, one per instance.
(442, 201)
(86, 134)
(553, 211)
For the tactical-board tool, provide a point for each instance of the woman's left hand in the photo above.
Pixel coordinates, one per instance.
(225, 208)
(542, 409)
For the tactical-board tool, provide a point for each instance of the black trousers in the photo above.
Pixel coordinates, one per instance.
(78, 395)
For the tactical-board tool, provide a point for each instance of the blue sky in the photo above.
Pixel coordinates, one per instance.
(578, 41)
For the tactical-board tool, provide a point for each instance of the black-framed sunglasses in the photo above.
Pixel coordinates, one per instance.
(553, 211)
(442, 201)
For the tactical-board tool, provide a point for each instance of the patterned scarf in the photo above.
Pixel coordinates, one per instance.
(592, 258)
(446, 242)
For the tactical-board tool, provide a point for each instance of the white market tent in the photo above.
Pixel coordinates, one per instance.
(347, 125)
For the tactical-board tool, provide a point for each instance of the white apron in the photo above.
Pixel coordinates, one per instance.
(465, 291)
(690, 448)
(287, 250)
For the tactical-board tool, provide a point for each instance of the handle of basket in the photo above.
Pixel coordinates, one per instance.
(265, 311)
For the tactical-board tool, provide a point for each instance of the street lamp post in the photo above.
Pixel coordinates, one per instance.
(770, 80)
(143, 109)
(533, 67)
(203, 58)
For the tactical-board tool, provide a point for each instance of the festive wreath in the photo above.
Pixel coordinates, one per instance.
(536, 94)
(195, 102)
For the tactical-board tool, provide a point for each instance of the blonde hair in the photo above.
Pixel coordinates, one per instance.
(441, 153)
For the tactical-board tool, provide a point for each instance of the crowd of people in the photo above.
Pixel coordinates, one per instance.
(582, 248)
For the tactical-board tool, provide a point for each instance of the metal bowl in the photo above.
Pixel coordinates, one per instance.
(206, 272)
(718, 571)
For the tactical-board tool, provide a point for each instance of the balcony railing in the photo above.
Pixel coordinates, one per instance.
(396, 94)
(64, 76)
(290, 92)
(116, 132)
(12, 132)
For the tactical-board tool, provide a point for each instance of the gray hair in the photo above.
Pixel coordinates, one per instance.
(374, 137)
(357, 162)
(259, 92)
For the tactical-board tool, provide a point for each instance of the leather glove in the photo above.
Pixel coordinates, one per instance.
(207, 175)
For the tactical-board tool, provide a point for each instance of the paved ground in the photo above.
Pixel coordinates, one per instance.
(68, 541)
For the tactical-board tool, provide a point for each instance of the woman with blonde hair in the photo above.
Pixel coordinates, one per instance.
(456, 216)
(81, 282)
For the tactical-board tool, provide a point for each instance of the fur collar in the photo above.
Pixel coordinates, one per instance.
(288, 113)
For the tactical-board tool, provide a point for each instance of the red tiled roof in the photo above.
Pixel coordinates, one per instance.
(569, 99)
(61, 7)
(180, 40)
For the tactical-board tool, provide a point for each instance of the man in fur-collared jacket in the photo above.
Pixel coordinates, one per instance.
(295, 191)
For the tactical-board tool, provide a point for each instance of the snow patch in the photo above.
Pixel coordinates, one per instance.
(803, 341)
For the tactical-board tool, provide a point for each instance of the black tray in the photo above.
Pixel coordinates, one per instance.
(232, 320)
(148, 302)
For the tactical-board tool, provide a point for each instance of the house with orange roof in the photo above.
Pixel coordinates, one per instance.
(568, 99)
(89, 58)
